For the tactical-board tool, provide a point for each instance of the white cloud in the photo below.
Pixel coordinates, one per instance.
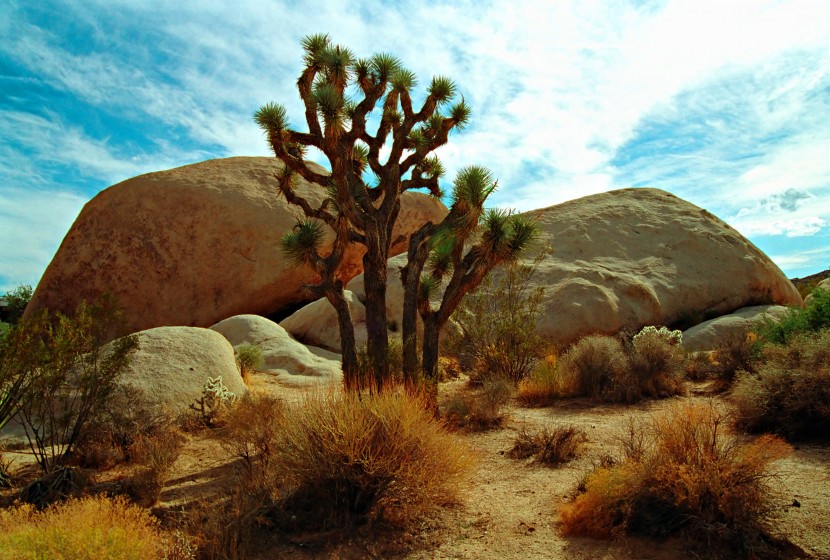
(563, 94)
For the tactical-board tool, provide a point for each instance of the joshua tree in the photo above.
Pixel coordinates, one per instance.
(339, 92)
(500, 238)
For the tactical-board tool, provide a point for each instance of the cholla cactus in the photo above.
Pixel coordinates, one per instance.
(214, 396)
(672, 337)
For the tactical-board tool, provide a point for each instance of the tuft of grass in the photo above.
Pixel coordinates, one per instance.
(349, 458)
(545, 384)
(790, 392)
(549, 446)
(482, 408)
(87, 529)
(681, 475)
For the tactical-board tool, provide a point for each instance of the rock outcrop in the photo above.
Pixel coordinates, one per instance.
(621, 260)
(633, 257)
(292, 363)
(172, 364)
(194, 245)
(824, 285)
(712, 334)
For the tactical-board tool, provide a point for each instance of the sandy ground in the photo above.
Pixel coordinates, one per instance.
(509, 509)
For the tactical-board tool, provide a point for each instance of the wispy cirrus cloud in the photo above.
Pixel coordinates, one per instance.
(724, 104)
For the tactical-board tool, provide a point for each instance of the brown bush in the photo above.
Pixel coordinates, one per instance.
(349, 458)
(480, 409)
(249, 432)
(155, 456)
(549, 446)
(685, 477)
(790, 393)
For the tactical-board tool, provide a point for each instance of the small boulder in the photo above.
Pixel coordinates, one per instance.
(172, 364)
(317, 324)
(292, 362)
(712, 334)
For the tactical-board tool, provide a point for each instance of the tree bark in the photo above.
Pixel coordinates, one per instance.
(429, 358)
(374, 283)
(348, 350)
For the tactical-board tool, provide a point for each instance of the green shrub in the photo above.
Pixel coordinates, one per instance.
(249, 359)
(813, 317)
(549, 446)
(347, 458)
(16, 302)
(495, 327)
(88, 529)
(56, 374)
(790, 392)
(681, 475)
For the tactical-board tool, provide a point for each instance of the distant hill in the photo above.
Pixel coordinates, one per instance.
(805, 285)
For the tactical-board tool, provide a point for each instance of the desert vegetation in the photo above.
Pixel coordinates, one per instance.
(396, 464)
(682, 474)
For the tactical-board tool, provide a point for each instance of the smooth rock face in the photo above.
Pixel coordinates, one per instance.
(636, 257)
(316, 323)
(292, 363)
(194, 245)
(712, 334)
(173, 363)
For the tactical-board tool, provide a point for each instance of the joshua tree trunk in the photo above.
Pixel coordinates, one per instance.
(347, 342)
(374, 282)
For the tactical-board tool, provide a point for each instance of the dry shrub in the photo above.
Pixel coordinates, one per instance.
(685, 477)
(249, 432)
(155, 455)
(594, 366)
(90, 528)
(790, 393)
(549, 446)
(111, 434)
(602, 368)
(657, 367)
(483, 408)
(345, 459)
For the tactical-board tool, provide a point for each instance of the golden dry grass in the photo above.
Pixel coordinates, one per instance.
(90, 528)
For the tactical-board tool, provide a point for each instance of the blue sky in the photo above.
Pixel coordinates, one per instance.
(724, 103)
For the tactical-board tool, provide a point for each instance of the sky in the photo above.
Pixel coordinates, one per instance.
(724, 103)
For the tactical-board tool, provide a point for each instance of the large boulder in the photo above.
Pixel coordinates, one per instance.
(196, 244)
(633, 257)
(172, 364)
(712, 334)
(292, 363)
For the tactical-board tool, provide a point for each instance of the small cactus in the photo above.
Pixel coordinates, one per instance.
(215, 396)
